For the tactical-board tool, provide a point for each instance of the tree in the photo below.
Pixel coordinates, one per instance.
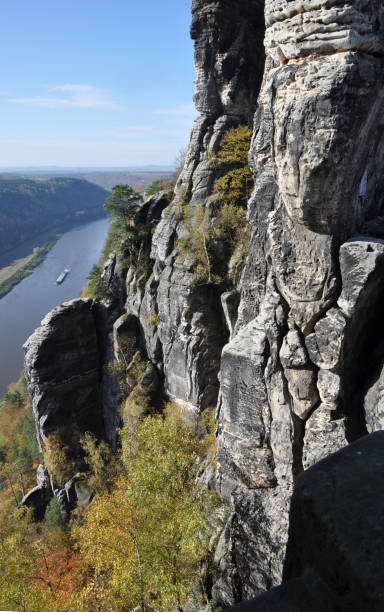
(122, 204)
(19, 452)
(101, 461)
(18, 561)
(94, 282)
(59, 456)
(145, 542)
(125, 232)
(39, 572)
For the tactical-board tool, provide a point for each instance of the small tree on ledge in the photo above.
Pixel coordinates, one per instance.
(122, 204)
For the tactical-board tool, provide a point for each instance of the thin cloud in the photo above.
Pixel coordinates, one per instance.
(77, 96)
(185, 110)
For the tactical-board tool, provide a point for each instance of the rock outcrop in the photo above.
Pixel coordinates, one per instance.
(71, 389)
(64, 361)
(39, 497)
(191, 328)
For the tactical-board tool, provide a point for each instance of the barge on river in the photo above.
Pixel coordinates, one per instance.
(62, 276)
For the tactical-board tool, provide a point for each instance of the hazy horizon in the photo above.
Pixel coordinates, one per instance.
(90, 168)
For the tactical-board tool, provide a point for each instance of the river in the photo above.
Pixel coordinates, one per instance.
(24, 307)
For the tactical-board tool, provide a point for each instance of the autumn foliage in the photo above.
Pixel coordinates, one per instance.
(18, 447)
(141, 542)
(145, 541)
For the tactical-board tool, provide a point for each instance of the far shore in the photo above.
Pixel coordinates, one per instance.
(14, 271)
(19, 269)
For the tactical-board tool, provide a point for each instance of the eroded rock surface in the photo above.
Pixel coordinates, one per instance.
(64, 368)
(301, 372)
(182, 321)
(313, 282)
(336, 544)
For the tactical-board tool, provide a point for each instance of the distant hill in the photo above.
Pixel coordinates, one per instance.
(29, 207)
(137, 178)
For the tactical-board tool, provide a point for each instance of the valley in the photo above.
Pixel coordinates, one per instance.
(24, 307)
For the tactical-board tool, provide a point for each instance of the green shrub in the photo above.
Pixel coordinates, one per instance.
(95, 289)
(54, 514)
(160, 185)
(153, 319)
(236, 183)
(217, 233)
(229, 229)
(198, 245)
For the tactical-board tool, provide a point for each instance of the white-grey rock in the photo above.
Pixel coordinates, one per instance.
(328, 384)
(359, 259)
(318, 156)
(324, 435)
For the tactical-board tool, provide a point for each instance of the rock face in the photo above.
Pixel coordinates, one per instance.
(298, 361)
(190, 331)
(39, 497)
(64, 366)
(335, 544)
(336, 525)
(302, 375)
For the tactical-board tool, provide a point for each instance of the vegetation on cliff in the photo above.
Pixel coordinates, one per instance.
(144, 542)
(125, 231)
(235, 184)
(160, 185)
(124, 234)
(40, 571)
(216, 234)
(18, 447)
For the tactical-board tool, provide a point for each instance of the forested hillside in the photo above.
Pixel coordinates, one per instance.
(139, 179)
(29, 207)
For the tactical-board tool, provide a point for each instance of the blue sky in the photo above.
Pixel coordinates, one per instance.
(95, 82)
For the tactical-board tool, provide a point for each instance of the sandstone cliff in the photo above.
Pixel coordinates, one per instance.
(299, 369)
(296, 380)
(333, 561)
